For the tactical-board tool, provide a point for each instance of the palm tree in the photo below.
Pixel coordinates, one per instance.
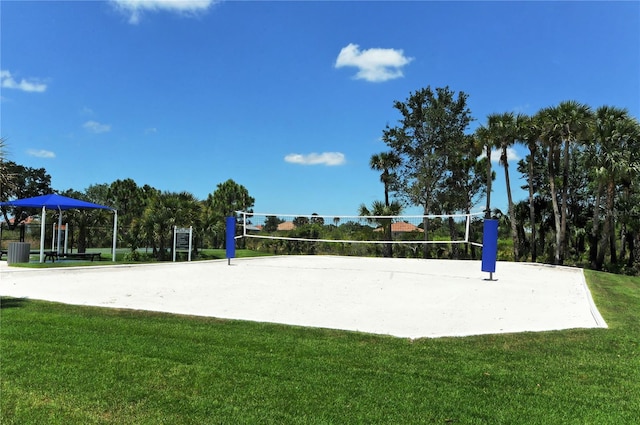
(502, 129)
(385, 162)
(483, 138)
(166, 210)
(561, 127)
(528, 132)
(550, 138)
(602, 134)
(576, 119)
(631, 211)
(380, 214)
(130, 201)
(628, 132)
(614, 141)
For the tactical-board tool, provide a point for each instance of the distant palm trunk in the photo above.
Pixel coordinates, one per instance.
(512, 215)
(595, 231)
(565, 206)
(425, 224)
(388, 248)
(532, 208)
(82, 238)
(455, 248)
(611, 230)
(556, 210)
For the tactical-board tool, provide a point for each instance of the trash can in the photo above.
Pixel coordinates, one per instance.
(18, 252)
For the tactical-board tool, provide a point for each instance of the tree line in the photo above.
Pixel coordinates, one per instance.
(582, 171)
(146, 215)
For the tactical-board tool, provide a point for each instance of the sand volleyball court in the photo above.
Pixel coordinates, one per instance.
(410, 298)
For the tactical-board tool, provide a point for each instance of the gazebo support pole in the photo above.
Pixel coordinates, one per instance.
(115, 233)
(59, 241)
(42, 231)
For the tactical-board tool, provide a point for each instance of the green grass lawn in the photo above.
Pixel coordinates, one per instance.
(221, 253)
(80, 365)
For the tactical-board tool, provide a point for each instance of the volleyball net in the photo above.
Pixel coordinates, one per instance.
(350, 229)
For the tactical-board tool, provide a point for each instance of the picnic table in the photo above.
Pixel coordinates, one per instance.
(53, 255)
(47, 254)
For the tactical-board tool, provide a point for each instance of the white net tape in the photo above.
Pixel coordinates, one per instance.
(404, 229)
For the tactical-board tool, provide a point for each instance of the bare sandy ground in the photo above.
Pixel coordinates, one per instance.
(401, 297)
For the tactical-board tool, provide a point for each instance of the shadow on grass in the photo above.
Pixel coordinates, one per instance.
(9, 302)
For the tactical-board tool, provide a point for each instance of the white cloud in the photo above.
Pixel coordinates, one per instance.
(521, 109)
(150, 130)
(41, 153)
(325, 158)
(374, 65)
(30, 85)
(135, 8)
(96, 127)
(512, 155)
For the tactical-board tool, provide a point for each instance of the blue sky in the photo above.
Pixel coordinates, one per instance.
(286, 98)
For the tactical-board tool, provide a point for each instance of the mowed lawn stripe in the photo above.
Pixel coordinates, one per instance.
(84, 365)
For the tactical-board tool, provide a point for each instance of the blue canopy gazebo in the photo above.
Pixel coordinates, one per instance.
(60, 203)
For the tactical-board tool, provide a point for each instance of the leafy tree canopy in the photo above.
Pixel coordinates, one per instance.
(27, 182)
(430, 135)
(228, 198)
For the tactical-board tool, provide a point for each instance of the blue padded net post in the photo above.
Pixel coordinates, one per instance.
(490, 246)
